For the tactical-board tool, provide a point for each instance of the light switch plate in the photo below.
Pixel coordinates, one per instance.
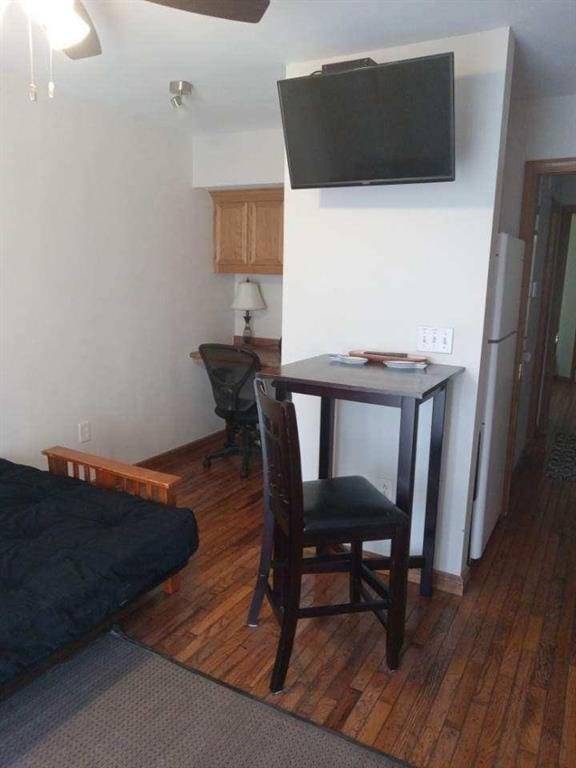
(432, 339)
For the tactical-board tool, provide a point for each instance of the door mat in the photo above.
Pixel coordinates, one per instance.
(561, 458)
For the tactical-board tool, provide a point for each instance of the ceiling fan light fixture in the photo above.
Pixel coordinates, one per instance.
(63, 26)
(69, 31)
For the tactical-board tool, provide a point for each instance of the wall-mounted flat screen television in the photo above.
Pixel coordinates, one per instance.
(382, 124)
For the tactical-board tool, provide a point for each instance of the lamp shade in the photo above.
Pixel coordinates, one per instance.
(248, 297)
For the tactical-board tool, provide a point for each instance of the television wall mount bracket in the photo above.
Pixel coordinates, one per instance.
(346, 66)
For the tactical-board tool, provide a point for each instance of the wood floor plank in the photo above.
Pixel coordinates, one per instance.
(466, 746)
(526, 760)
(345, 703)
(532, 720)
(568, 748)
(443, 749)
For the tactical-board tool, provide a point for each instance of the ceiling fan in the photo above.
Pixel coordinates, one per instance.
(250, 11)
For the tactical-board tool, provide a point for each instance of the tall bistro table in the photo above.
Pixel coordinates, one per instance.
(371, 383)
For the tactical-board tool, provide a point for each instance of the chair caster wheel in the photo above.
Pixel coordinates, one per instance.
(206, 463)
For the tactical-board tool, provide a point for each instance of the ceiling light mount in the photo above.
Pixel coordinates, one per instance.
(178, 90)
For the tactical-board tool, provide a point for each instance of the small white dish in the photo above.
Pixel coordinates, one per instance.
(349, 359)
(405, 365)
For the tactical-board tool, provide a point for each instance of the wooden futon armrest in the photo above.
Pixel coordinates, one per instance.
(107, 473)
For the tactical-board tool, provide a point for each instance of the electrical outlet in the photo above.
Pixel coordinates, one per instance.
(84, 432)
(435, 339)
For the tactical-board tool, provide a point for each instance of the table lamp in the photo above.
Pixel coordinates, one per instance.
(248, 298)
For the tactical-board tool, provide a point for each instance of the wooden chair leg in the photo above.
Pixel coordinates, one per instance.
(172, 585)
(355, 571)
(288, 629)
(263, 570)
(397, 590)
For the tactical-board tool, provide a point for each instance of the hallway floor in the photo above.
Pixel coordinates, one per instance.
(488, 679)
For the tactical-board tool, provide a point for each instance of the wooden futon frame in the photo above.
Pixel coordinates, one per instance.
(117, 476)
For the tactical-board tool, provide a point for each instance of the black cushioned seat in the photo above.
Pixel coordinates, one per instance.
(348, 503)
(72, 554)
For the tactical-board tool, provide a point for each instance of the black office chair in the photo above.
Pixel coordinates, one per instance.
(231, 371)
(322, 514)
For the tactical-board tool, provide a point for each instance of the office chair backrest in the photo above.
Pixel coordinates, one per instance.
(281, 460)
(231, 371)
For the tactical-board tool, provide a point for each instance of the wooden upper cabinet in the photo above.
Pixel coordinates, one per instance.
(230, 234)
(248, 231)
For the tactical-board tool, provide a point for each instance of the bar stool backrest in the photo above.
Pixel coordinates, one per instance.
(281, 461)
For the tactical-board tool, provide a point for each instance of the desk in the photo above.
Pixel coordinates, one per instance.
(268, 350)
(373, 383)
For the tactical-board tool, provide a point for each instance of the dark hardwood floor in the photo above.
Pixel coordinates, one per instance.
(488, 679)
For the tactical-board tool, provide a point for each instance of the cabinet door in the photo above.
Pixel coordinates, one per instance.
(265, 239)
(230, 235)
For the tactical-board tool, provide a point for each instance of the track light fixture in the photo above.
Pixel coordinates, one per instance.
(178, 90)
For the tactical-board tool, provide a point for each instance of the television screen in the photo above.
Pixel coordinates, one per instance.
(382, 124)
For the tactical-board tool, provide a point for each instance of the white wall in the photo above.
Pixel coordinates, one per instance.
(243, 159)
(539, 129)
(106, 283)
(366, 266)
(549, 126)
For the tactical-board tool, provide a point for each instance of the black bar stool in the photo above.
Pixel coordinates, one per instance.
(321, 514)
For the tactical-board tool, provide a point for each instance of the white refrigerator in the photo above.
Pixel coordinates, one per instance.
(502, 334)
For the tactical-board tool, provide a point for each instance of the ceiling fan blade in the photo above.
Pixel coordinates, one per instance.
(90, 46)
(234, 10)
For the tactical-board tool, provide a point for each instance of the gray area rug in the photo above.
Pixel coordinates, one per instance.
(561, 458)
(118, 704)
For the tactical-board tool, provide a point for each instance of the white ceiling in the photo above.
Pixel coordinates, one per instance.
(234, 66)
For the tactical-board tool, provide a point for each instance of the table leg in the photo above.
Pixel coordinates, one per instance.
(326, 437)
(280, 391)
(407, 454)
(432, 491)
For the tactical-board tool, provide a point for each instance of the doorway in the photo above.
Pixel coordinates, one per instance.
(546, 350)
(555, 346)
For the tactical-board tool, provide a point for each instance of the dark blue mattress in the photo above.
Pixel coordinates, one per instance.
(71, 555)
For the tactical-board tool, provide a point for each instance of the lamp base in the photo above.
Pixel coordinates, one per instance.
(247, 332)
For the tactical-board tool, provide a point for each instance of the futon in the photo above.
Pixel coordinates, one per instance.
(72, 554)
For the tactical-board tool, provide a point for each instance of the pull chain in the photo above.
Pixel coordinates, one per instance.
(51, 84)
(32, 88)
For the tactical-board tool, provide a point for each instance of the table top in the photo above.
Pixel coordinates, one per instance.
(374, 379)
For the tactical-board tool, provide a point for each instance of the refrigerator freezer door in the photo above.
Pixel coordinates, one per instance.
(492, 459)
(508, 285)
